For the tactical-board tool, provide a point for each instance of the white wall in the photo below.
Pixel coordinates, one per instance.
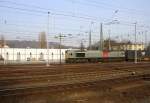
(12, 54)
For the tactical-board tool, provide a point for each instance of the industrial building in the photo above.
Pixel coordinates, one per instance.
(32, 55)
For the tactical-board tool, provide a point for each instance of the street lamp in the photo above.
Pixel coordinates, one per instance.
(47, 63)
(135, 59)
(109, 40)
(109, 31)
(114, 21)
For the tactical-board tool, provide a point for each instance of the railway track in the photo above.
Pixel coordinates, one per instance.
(61, 88)
(72, 65)
(22, 79)
(66, 67)
(5, 76)
(57, 80)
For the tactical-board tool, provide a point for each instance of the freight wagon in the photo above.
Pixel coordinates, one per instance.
(130, 55)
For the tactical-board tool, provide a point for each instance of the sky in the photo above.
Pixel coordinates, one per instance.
(25, 19)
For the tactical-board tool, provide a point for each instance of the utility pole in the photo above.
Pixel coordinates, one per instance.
(60, 36)
(47, 64)
(145, 40)
(90, 36)
(82, 45)
(135, 59)
(109, 44)
(101, 37)
(90, 39)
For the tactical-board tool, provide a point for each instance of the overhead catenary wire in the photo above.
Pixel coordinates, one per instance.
(53, 13)
(43, 11)
(93, 3)
(100, 4)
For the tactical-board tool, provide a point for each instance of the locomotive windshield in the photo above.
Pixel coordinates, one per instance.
(80, 54)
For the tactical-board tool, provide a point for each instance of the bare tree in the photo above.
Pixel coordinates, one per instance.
(42, 40)
(2, 41)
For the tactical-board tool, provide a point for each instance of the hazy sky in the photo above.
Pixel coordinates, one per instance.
(24, 19)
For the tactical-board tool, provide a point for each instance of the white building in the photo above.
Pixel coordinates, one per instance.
(128, 47)
(32, 55)
(134, 47)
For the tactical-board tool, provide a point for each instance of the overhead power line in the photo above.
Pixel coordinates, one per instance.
(115, 6)
(22, 9)
(42, 10)
(99, 4)
(53, 12)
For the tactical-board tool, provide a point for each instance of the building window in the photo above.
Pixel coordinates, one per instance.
(30, 55)
(18, 56)
(52, 56)
(41, 56)
(7, 56)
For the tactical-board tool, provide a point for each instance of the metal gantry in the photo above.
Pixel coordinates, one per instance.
(60, 37)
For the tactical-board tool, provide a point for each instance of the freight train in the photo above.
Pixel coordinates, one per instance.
(91, 56)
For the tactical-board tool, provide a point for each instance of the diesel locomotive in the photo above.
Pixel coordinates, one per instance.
(73, 56)
(93, 56)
